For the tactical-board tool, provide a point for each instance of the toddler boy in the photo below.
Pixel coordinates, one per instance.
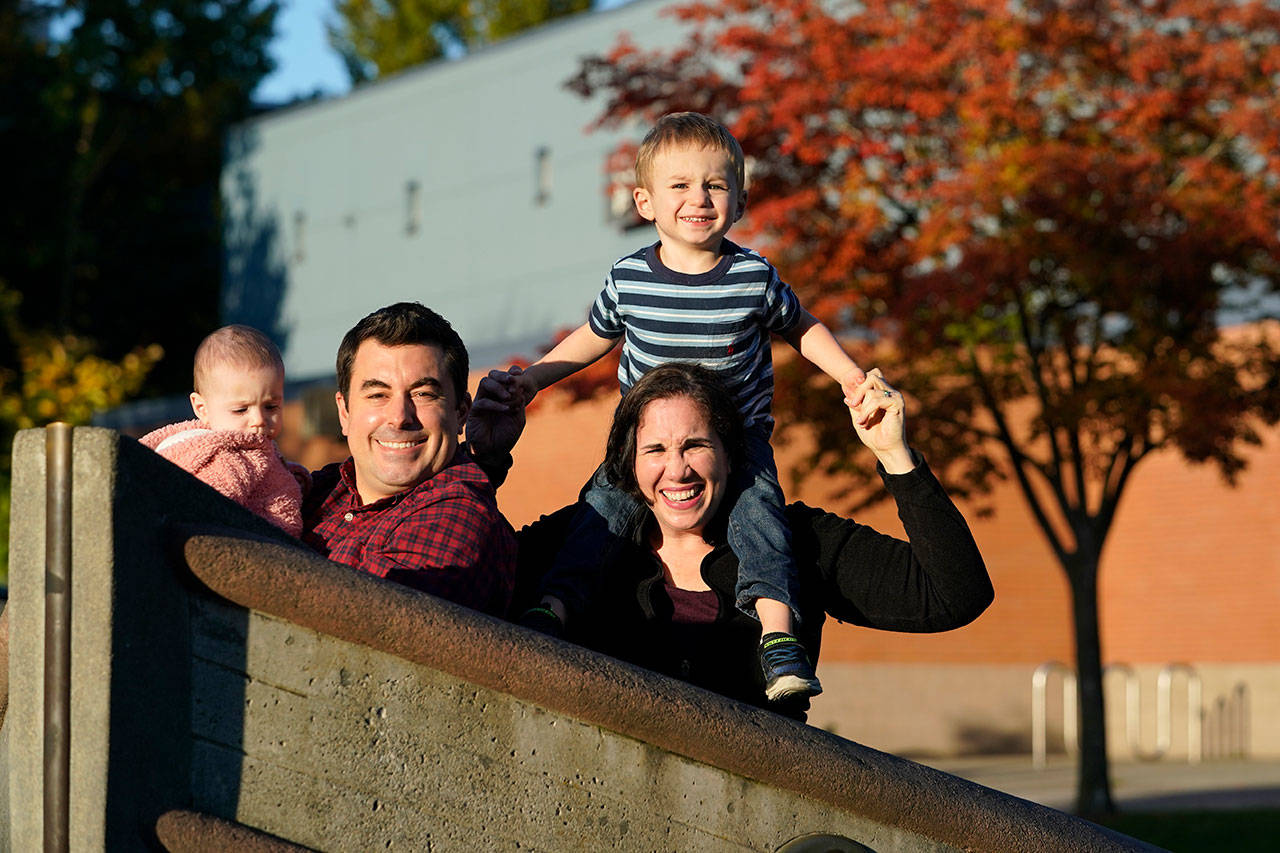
(695, 296)
(239, 392)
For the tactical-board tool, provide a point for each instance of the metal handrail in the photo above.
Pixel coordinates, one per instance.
(57, 638)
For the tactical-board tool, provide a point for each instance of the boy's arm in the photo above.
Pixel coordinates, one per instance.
(581, 348)
(814, 341)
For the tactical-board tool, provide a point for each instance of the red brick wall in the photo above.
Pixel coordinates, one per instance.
(1191, 571)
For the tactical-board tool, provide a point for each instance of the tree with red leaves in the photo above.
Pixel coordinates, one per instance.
(1043, 216)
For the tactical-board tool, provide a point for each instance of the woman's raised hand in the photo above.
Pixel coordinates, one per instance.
(876, 410)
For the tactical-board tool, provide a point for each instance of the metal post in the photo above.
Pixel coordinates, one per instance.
(1164, 710)
(1040, 711)
(57, 639)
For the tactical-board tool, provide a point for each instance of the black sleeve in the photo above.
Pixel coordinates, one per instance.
(935, 582)
(495, 466)
(538, 545)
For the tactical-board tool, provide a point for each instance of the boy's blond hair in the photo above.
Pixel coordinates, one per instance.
(243, 346)
(693, 130)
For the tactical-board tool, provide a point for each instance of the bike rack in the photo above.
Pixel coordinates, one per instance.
(1226, 723)
(1164, 710)
(1039, 711)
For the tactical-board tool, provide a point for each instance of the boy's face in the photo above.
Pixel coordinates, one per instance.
(692, 198)
(242, 398)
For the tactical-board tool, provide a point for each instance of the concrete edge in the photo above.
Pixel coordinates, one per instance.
(187, 831)
(299, 586)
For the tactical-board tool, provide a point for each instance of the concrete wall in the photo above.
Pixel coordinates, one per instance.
(130, 670)
(932, 710)
(228, 671)
(344, 748)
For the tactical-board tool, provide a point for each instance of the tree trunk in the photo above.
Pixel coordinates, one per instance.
(1093, 792)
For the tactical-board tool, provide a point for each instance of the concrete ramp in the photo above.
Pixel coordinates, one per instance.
(230, 689)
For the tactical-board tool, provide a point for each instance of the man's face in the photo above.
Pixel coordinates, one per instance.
(401, 417)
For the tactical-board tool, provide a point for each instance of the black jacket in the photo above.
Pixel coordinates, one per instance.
(935, 582)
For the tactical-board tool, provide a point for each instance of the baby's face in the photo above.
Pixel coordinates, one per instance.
(242, 398)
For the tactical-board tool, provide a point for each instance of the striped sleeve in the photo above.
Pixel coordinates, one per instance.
(605, 320)
(782, 306)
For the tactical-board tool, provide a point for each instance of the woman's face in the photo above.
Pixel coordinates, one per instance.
(682, 468)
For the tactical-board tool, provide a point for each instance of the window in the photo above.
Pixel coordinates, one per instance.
(299, 237)
(541, 175)
(412, 207)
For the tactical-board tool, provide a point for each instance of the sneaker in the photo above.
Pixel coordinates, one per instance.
(787, 671)
(544, 620)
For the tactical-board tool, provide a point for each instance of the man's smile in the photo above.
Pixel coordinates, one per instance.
(399, 445)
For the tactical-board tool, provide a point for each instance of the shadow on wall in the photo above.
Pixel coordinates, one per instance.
(975, 738)
(161, 688)
(254, 270)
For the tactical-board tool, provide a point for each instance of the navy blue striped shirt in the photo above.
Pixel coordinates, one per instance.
(720, 319)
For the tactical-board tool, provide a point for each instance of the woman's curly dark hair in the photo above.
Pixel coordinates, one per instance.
(677, 379)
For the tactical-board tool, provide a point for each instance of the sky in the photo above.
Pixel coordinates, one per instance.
(304, 61)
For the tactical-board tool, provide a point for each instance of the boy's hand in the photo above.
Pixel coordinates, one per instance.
(511, 387)
(850, 384)
(496, 418)
(522, 384)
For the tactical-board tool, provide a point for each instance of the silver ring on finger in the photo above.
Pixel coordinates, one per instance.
(888, 393)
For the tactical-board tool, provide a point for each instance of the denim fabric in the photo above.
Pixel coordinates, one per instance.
(606, 517)
(758, 529)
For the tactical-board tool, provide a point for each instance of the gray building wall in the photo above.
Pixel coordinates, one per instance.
(508, 243)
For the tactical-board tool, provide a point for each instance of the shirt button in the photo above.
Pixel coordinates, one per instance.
(349, 516)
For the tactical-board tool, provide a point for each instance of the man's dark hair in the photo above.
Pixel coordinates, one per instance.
(677, 379)
(405, 324)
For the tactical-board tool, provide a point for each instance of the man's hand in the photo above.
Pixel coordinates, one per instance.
(496, 419)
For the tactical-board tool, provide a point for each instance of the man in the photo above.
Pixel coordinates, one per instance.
(411, 505)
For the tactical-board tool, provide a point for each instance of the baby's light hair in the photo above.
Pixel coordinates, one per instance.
(242, 346)
(694, 130)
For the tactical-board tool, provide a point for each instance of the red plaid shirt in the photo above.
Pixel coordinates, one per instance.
(444, 536)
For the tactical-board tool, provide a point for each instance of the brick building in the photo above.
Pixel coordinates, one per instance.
(472, 187)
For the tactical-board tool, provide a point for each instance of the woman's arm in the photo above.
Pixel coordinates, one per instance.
(937, 580)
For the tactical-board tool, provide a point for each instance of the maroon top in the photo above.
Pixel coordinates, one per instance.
(693, 607)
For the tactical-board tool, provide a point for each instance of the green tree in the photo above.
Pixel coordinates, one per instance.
(113, 114)
(55, 378)
(380, 37)
(1042, 213)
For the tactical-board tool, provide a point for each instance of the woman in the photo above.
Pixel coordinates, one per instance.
(666, 602)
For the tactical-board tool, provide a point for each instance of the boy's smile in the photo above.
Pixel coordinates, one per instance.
(693, 200)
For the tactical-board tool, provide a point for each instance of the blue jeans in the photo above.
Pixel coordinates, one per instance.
(758, 533)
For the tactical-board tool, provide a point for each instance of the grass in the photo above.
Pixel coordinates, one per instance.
(1245, 831)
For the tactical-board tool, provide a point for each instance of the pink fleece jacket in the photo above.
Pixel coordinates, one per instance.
(243, 466)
